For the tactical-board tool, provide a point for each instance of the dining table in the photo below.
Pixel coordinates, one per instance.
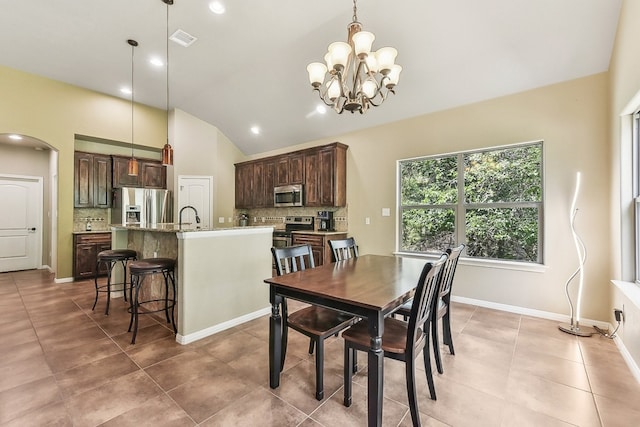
(369, 286)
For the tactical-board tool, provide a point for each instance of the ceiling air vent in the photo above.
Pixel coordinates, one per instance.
(183, 38)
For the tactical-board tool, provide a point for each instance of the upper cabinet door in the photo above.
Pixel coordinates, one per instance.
(121, 178)
(154, 175)
(83, 180)
(102, 189)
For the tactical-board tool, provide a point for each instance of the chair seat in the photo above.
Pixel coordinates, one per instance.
(319, 320)
(151, 265)
(394, 339)
(116, 254)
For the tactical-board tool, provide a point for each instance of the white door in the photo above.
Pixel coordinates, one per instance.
(195, 191)
(20, 223)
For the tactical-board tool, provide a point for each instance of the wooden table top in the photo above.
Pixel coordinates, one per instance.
(372, 282)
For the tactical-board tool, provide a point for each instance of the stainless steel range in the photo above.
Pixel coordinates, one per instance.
(282, 238)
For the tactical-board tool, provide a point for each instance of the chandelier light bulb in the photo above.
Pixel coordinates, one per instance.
(317, 71)
(362, 41)
(393, 76)
(369, 87)
(372, 63)
(386, 57)
(339, 53)
(333, 91)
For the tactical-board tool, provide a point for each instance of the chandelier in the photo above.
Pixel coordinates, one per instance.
(355, 78)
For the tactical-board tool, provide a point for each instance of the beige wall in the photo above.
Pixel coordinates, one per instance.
(55, 112)
(201, 149)
(571, 118)
(625, 87)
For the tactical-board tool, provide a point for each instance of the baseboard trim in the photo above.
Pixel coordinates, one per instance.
(203, 333)
(63, 280)
(528, 311)
(633, 366)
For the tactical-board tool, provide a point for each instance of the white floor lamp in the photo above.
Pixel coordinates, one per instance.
(574, 327)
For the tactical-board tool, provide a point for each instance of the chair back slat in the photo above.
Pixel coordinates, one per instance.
(449, 270)
(293, 258)
(344, 249)
(423, 301)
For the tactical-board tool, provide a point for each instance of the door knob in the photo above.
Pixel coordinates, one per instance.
(32, 229)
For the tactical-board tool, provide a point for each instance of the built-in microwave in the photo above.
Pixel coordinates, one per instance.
(287, 195)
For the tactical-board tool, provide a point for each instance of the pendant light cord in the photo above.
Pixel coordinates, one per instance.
(133, 44)
(167, 40)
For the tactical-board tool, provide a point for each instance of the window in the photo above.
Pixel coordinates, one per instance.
(491, 200)
(636, 190)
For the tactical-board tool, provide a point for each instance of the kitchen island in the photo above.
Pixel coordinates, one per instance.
(219, 272)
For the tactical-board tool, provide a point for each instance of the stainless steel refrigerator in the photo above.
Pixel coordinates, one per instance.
(141, 206)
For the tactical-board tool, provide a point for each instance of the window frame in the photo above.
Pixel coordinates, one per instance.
(636, 191)
(460, 207)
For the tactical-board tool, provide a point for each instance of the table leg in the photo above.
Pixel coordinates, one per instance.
(275, 340)
(376, 371)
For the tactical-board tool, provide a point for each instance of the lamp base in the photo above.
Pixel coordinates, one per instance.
(581, 331)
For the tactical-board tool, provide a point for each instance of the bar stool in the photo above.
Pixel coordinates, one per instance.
(147, 267)
(111, 258)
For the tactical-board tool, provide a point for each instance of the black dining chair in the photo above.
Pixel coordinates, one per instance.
(401, 340)
(318, 323)
(344, 249)
(442, 309)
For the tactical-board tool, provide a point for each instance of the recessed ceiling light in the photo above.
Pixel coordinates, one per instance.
(156, 61)
(321, 109)
(255, 130)
(217, 7)
(15, 137)
(126, 90)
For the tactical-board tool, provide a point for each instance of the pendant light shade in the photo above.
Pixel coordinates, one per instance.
(167, 150)
(167, 154)
(132, 165)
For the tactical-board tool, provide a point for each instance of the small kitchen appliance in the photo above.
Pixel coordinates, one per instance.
(326, 221)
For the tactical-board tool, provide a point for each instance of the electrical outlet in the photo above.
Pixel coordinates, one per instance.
(367, 221)
(619, 315)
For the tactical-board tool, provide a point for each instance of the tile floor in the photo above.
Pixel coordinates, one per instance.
(64, 365)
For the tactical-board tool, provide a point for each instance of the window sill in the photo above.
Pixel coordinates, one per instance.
(630, 290)
(486, 263)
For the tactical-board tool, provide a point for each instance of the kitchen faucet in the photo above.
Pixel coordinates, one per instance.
(180, 215)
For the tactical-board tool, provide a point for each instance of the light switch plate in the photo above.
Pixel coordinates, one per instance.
(221, 219)
(386, 212)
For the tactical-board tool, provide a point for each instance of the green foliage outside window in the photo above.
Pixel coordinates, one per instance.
(498, 214)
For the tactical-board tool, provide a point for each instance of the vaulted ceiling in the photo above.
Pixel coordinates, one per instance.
(248, 66)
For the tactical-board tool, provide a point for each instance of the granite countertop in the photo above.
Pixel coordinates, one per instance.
(321, 233)
(175, 228)
(92, 232)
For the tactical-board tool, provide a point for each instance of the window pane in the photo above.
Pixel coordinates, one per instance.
(510, 175)
(428, 230)
(503, 233)
(429, 181)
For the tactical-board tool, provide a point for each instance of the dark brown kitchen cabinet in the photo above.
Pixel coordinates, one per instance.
(154, 175)
(121, 177)
(319, 244)
(322, 170)
(92, 180)
(326, 176)
(264, 173)
(290, 169)
(86, 248)
(151, 173)
(244, 184)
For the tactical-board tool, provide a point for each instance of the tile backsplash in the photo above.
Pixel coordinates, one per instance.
(275, 216)
(93, 219)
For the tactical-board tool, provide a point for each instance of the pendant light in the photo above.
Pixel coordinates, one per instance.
(132, 165)
(167, 150)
